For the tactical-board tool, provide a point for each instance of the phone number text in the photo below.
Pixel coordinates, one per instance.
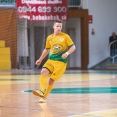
(24, 9)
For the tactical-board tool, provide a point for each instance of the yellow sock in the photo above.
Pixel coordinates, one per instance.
(43, 82)
(48, 90)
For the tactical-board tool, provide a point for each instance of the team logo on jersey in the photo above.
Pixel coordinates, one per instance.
(57, 48)
(51, 41)
(61, 39)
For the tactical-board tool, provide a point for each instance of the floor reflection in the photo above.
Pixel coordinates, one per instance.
(45, 110)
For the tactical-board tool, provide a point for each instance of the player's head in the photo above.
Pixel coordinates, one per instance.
(113, 33)
(57, 26)
(58, 21)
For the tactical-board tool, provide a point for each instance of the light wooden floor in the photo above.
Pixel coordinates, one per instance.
(76, 94)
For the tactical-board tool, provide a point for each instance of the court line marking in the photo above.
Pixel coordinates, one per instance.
(91, 113)
(85, 90)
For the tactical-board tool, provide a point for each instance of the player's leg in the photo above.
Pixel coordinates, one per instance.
(59, 69)
(43, 83)
(48, 90)
(43, 79)
(49, 87)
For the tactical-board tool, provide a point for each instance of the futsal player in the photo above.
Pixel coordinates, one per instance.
(59, 46)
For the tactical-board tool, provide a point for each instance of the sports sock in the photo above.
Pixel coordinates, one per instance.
(48, 90)
(43, 82)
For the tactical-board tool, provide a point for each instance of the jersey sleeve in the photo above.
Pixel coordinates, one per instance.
(69, 40)
(47, 46)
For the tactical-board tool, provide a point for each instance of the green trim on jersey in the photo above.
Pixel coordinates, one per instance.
(57, 57)
(71, 45)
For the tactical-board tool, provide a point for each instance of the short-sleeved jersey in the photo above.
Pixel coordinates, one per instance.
(58, 45)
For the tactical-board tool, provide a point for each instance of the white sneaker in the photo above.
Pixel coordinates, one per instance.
(42, 100)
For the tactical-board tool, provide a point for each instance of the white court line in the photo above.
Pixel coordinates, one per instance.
(91, 113)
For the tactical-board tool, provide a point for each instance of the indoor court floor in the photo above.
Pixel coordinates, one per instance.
(79, 93)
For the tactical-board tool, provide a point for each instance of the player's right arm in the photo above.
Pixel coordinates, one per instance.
(43, 55)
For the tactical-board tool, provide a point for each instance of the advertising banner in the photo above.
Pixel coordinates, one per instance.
(42, 10)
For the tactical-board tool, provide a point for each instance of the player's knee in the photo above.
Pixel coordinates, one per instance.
(44, 72)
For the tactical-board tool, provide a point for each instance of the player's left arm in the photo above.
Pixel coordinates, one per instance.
(71, 46)
(70, 50)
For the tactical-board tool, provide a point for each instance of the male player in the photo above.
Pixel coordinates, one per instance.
(58, 45)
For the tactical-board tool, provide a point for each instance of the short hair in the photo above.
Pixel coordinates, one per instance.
(58, 21)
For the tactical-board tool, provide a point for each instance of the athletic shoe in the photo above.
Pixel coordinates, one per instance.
(38, 93)
(42, 100)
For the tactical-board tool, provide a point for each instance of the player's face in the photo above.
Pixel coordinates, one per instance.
(57, 27)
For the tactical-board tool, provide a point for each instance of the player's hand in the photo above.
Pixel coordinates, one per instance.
(64, 56)
(38, 62)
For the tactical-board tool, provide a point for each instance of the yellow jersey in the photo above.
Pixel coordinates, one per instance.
(58, 45)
